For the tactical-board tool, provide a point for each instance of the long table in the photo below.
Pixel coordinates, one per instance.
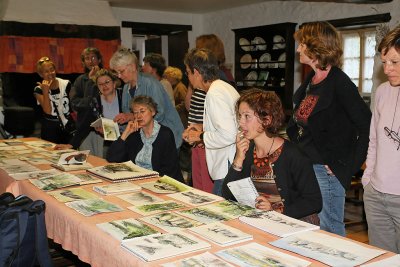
(80, 235)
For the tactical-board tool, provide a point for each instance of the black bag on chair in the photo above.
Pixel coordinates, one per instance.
(23, 236)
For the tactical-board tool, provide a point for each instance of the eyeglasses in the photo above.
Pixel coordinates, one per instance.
(140, 112)
(106, 83)
(120, 72)
(90, 58)
(43, 59)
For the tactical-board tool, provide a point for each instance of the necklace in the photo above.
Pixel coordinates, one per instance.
(390, 133)
(261, 162)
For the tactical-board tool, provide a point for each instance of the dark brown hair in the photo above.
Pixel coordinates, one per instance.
(265, 104)
(392, 39)
(323, 43)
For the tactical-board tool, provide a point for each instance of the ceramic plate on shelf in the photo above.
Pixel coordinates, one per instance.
(282, 59)
(279, 42)
(264, 60)
(245, 44)
(251, 78)
(245, 61)
(262, 78)
(259, 43)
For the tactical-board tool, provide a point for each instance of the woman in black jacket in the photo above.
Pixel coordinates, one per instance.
(331, 122)
(282, 175)
(147, 143)
(105, 102)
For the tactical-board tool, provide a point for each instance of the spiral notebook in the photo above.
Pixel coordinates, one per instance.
(244, 191)
(121, 172)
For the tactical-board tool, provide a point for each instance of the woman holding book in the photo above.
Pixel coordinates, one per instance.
(105, 103)
(146, 142)
(283, 177)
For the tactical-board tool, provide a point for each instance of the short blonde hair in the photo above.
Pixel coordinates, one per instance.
(174, 73)
(40, 62)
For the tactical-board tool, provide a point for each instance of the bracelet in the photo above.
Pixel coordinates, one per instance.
(236, 167)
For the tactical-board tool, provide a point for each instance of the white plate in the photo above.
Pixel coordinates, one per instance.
(245, 61)
(281, 58)
(251, 78)
(260, 43)
(264, 60)
(245, 44)
(279, 42)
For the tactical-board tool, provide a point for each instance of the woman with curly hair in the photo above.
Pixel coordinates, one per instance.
(330, 123)
(282, 175)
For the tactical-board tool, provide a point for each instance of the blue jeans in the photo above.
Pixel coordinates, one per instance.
(217, 188)
(333, 197)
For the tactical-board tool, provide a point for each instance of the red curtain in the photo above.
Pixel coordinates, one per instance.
(20, 53)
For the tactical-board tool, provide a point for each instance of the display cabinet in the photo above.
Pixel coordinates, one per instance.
(264, 58)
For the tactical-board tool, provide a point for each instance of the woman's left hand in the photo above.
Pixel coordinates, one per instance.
(262, 203)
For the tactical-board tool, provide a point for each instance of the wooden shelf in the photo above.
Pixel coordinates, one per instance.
(264, 63)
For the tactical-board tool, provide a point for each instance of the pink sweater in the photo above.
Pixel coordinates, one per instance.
(383, 160)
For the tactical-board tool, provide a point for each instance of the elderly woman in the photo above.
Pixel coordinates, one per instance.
(219, 128)
(381, 177)
(282, 175)
(146, 142)
(125, 63)
(330, 123)
(52, 95)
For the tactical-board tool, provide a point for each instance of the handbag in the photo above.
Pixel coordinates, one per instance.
(69, 128)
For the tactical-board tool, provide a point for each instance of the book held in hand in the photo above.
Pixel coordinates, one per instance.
(110, 128)
(244, 191)
(120, 172)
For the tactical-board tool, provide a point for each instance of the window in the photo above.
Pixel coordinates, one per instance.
(358, 57)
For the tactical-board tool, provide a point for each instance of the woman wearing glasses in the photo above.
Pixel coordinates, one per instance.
(146, 142)
(106, 103)
(381, 177)
(52, 95)
(125, 63)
